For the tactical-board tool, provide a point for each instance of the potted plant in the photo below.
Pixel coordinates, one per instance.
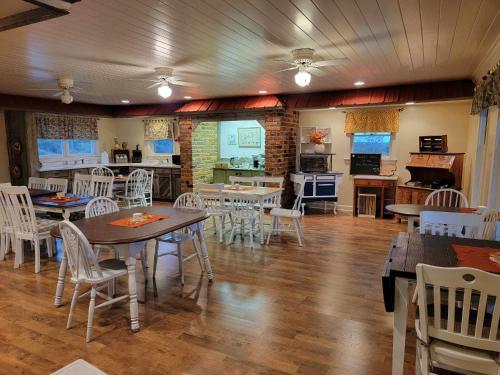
(318, 138)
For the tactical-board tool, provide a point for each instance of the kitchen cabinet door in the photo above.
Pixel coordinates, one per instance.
(176, 185)
(219, 176)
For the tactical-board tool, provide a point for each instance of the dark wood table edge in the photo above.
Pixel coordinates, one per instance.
(56, 234)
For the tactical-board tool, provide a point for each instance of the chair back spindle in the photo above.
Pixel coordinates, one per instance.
(100, 206)
(447, 198)
(451, 224)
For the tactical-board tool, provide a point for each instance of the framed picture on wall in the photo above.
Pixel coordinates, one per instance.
(231, 139)
(249, 137)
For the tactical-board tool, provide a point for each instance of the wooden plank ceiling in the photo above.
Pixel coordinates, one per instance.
(229, 47)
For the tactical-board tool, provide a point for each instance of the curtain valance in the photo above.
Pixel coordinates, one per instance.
(486, 93)
(54, 126)
(385, 120)
(160, 128)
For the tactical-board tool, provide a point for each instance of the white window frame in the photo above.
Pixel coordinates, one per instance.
(70, 157)
(150, 148)
(392, 148)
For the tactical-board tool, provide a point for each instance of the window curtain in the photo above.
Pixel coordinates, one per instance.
(54, 126)
(486, 93)
(161, 128)
(385, 120)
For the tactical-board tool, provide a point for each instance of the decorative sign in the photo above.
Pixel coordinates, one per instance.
(231, 139)
(365, 164)
(249, 137)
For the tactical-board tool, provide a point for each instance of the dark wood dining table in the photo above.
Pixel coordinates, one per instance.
(405, 252)
(130, 241)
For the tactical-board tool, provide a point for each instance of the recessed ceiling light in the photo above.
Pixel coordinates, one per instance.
(410, 103)
(332, 107)
(359, 83)
(188, 97)
(125, 101)
(262, 92)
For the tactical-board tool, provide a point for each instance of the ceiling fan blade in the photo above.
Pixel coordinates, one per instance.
(317, 72)
(284, 70)
(31, 89)
(331, 62)
(285, 62)
(182, 83)
(142, 79)
(153, 85)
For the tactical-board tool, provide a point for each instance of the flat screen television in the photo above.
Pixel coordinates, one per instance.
(365, 164)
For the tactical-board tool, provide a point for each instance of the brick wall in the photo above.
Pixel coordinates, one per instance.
(281, 148)
(204, 151)
(185, 134)
(281, 128)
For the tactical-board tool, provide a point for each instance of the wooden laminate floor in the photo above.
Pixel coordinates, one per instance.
(277, 309)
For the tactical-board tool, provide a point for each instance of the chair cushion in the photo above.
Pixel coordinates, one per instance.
(113, 264)
(458, 357)
(284, 212)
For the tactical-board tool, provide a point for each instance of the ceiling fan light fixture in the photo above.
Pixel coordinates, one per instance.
(164, 90)
(66, 97)
(303, 78)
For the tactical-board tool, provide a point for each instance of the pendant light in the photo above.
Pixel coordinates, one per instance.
(302, 78)
(164, 90)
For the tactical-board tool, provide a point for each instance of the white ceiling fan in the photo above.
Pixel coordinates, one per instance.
(302, 59)
(163, 81)
(66, 88)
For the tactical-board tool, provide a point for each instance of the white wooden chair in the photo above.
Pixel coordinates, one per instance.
(447, 198)
(463, 339)
(148, 191)
(102, 171)
(6, 225)
(451, 224)
(101, 186)
(294, 214)
(81, 184)
(37, 183)
(490, 220)
(85, 269)
(249, 181)
(27, 227)
(275, 201)
(135, 186)
(243, 215)
(100, 206)
(59, 185)
(213, 200)
(177, 238)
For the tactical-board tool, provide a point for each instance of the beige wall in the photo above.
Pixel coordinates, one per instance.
(4, 157)
(130, 130)
(451, 118)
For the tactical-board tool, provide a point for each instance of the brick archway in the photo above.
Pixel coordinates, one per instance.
(281, 128)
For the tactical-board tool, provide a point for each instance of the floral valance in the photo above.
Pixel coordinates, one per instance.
(385, 120)
(160, 128)
(54, 126)
(486, 93)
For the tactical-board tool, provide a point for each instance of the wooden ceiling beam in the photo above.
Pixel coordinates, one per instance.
(46, 10)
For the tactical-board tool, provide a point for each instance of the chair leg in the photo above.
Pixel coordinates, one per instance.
(251, 226)
(19, 253)
(181, 263)
(37, 256)
(233, 232)
(273, 229)
(90, 318)
(221, 229)
(155, 260)
(50, 246)
(198, 255)
(214, 224)
(297, 230)
(74, 300)
(3, 245)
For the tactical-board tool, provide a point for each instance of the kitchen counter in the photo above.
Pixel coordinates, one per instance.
(110, 165)
(242, 169)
